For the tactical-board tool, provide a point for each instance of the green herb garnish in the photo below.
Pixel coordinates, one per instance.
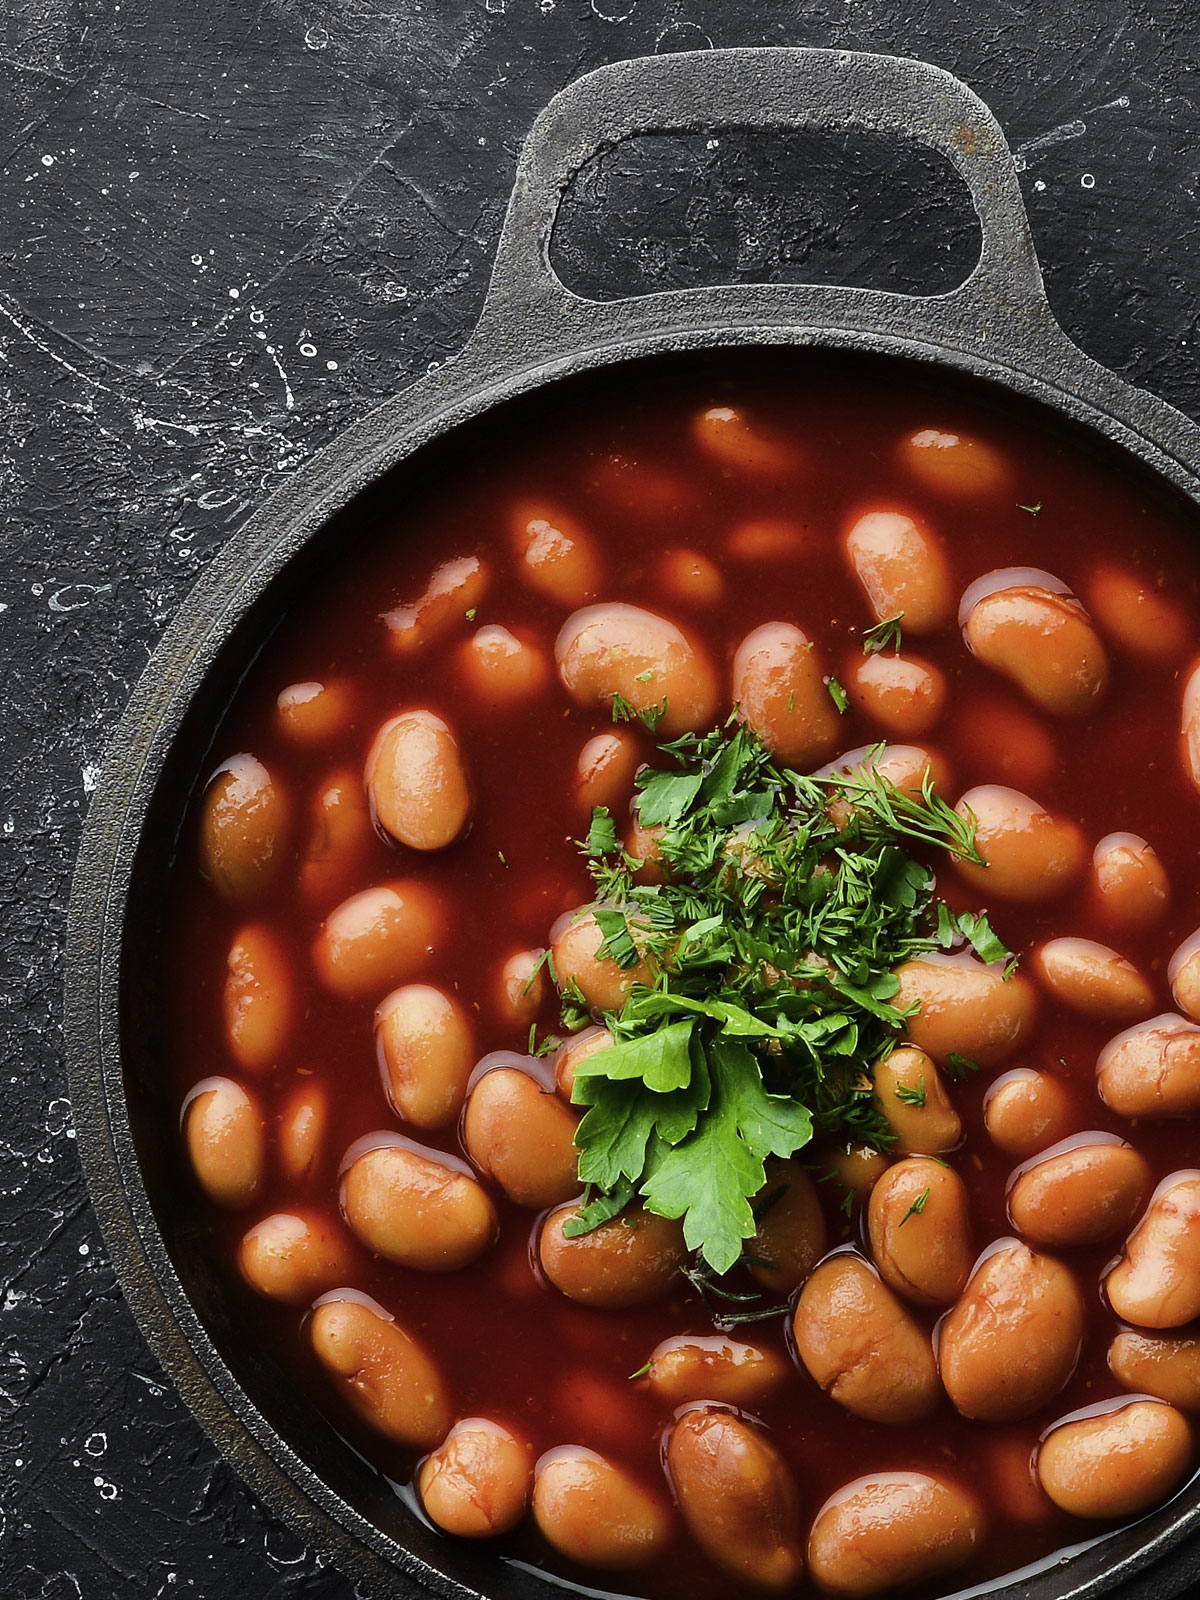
(909, 1095)
(877, 639)
(838, 695)
(953, 928)
(728, 1307)
(916, 1208)
(770, 951)
(625, 711)
(1032, 510)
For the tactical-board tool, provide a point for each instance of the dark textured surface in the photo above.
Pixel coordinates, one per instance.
(226, 233)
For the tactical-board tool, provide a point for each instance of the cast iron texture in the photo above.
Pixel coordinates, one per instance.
(996, 326)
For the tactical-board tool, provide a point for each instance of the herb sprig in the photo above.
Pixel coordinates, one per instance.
(788, 901)
(876, 639)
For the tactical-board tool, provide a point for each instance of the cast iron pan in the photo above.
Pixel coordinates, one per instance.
(996, 327)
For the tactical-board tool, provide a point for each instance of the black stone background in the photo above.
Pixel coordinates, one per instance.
(227, 227)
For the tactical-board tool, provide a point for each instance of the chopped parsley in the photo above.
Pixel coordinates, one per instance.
(767, 964)
(910, 1094)
(838, 695)
(916, 1208)
(602, 837)
(1032, 509)
(977, 931)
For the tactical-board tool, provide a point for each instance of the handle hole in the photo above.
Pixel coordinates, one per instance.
(682, 211)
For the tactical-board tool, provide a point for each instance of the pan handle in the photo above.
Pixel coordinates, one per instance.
(529, 312)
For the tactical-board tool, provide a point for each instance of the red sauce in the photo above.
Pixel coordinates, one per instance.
(625, 465)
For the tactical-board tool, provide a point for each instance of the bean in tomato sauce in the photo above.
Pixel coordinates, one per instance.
(385, 848)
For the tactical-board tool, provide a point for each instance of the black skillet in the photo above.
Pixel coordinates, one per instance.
(996, 327)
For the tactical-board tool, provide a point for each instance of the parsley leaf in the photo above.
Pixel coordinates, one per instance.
(595, 1212)
(710, 1179)
(664, 797)
(838, 695)
(618, 942)
(662, 1060)
(982, 938)
(602, 835)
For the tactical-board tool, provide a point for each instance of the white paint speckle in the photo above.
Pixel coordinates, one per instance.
(74, 596)
(256, 315)
(331, 366)
(316, 38)
(308, 349)
(1087, 181)
(47, 161)
(85, 1250)
(289, 399)
(90, 774)
(96, 1444)
(1040, 186)
(235, 294)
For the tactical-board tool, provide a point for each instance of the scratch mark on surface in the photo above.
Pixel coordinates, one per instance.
(1074, 129)
(41, 344)
(38, 72)
(1064, 131)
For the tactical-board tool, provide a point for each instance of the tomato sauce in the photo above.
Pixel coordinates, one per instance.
(621, 458)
